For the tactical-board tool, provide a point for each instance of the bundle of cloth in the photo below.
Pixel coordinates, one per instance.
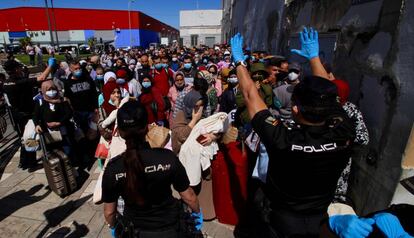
(195, 157)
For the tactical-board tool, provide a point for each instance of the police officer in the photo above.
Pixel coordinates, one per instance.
(19, 89)
(143, 177)
(306, 158)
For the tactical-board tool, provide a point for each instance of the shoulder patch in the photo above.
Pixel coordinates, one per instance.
(272, 121)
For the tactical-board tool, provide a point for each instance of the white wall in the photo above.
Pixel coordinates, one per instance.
(200, 18)
(106, 35)
(4, 35)
(77, 35)
(40, 36)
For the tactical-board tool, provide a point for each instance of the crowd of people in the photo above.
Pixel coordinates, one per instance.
(294, 132)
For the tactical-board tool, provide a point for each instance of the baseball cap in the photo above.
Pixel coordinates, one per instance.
(132, 114)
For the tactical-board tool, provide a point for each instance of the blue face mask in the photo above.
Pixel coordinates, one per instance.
(158, 66)
(120, 81)
(99, 77)
(189, 80)
(77, 73)
(165, 65)
(261, 60)
(112, 103)
(51, 93)
(146, 84)
(188, 66)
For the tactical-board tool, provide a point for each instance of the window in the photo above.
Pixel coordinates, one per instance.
(194, 40)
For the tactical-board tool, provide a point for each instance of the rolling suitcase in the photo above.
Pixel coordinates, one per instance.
(59, 171)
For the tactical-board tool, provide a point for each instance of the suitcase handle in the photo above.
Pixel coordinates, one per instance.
(43, 146)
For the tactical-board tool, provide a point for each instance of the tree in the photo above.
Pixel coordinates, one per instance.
(25, 41)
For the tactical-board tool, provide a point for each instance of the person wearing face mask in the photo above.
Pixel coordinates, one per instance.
(111, 100)
(145, 67)
(179, 87)
(134, 86)
(80, 90)
(213, 69)
(282, 95)
(161, 76)
(123, 80)
(52, 113)
(175, 63)
(20, 91)
(188, 70)
(152, 99)
(258, 74)
(211, 91)
(228, 98)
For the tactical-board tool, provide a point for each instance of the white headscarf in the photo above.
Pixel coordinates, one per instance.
(109, 75)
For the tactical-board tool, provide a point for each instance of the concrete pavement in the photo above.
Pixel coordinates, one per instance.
(29, 209)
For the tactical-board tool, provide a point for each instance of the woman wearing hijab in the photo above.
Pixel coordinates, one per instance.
(213, 69)
(212, 91)
(187, 118)
(152, 100)
(179, 87)
(111, 99)
(52, 113)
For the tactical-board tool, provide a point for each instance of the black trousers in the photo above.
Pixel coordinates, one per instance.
(27, 159)
(287, 224)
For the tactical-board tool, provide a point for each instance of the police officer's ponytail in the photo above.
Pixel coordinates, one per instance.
(132, 124)
(135, 189)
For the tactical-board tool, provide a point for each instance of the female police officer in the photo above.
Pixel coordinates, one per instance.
(142, 177)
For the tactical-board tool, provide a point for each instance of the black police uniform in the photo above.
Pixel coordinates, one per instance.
(20, 92)
(305, 163)
(161, 210)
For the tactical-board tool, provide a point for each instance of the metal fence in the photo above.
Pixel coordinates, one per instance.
(9, 139)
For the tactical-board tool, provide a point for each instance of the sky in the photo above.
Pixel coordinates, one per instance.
(167, 11)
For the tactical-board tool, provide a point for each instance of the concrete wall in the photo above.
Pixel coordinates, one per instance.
(40, 36)
(370, 45)
(4, 37)
(77, 35)
(105, 35)
(258, 21)
(203, 23)
(200, 18)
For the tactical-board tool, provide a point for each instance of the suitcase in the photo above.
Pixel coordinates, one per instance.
(59, 171)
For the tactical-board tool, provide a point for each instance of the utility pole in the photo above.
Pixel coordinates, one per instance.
(129, 22)
(48, 23)
(54, 23)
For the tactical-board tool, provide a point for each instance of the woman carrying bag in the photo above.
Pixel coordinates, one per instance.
(143, 177)
(52, 117)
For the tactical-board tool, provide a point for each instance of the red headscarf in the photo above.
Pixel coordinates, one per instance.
(107, 90)
(343, 90)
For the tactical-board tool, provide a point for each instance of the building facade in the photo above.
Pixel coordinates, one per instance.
(200, 27)
(369, 44)
(76, 26)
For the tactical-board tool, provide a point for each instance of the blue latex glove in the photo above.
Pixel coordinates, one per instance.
(236, 43)
(113, 232)
(309, 44)
(390, 226)
(350, 226)
(51, 62)
(198, 217)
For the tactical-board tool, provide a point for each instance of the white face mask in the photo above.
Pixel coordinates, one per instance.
(293, 76)
(51, 93)
(233, 80)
